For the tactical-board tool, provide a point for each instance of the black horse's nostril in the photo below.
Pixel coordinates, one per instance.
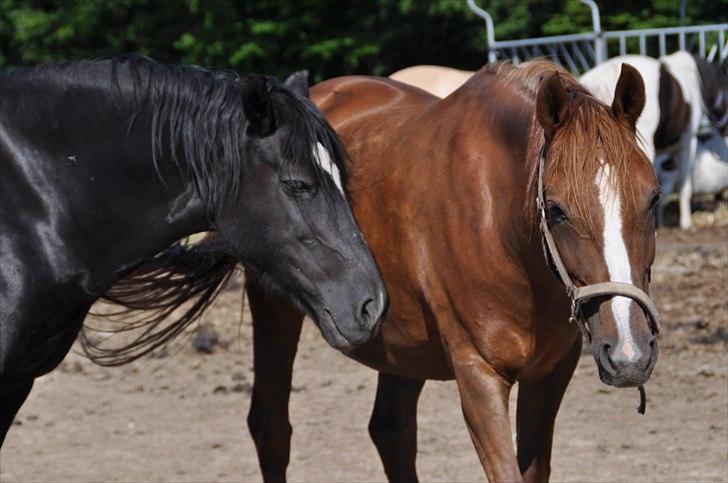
(366, 313)
(605, 360)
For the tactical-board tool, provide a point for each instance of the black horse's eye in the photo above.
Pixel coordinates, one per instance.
(655, 199)
(554, 213)
(297, 187)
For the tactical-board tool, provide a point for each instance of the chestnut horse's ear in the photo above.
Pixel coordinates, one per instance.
(629, 95)
(552, 105)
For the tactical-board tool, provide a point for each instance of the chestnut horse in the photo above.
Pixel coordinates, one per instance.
(446, 193)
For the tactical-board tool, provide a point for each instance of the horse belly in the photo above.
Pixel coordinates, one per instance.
(414, 362)
(710, 173)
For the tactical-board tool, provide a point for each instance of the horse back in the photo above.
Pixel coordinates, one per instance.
(363, 96)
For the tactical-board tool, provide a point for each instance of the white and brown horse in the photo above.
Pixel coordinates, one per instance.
(682, 91)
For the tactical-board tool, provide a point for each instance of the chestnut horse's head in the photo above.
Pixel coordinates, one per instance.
(600, 195)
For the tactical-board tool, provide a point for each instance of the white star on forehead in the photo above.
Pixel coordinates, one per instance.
(323, 158)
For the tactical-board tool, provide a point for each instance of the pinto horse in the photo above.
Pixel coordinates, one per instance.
(105, 163)
(435, 79)
(682, 92)
(454, 196)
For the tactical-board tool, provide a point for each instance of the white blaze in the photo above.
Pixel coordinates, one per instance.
(617, 259)
(323, 158)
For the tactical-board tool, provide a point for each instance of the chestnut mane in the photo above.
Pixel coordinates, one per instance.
(589, 136)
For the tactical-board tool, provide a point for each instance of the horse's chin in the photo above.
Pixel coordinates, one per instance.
(331, 331)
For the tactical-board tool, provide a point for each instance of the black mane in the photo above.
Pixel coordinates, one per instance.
(197, 117)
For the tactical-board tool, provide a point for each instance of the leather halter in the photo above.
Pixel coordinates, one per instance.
(579, 295)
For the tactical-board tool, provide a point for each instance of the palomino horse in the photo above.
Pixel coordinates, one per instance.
(455, 196)
(105, 163)
(435, 79)
(682, 90)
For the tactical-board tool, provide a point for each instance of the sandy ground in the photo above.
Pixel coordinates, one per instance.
(180, 417)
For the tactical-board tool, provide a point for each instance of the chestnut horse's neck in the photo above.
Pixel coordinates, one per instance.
(499, 101)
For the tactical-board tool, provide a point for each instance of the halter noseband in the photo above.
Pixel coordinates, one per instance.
(579, 295)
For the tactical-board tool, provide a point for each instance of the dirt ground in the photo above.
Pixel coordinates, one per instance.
(180, 416)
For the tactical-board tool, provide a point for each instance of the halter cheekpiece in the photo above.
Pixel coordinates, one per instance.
(579, 295)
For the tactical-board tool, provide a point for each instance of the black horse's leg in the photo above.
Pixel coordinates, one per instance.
(393, 425)
(276, 329)
(538, 403)
(9, 405)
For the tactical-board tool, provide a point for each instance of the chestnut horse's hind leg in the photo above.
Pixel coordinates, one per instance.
(393, 425)
(276, 329)
(9, 405)
(538, 403)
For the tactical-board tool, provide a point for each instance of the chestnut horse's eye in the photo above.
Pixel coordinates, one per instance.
(554, 213)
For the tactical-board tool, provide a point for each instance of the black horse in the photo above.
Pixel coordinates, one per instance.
(105, 163)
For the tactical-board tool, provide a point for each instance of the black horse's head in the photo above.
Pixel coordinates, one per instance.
(286, 215)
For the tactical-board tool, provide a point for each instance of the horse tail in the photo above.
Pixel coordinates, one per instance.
(159, 286)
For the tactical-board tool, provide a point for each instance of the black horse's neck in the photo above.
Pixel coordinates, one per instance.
(83, 135)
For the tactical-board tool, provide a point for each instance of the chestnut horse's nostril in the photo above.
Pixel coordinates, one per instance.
(653, 353)
(605, 360)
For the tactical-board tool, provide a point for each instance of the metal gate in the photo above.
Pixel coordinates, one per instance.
(580, 52)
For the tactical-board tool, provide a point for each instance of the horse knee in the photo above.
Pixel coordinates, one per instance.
(381, 427)
(267, 425)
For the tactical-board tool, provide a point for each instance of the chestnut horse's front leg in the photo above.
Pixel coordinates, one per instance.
(276, 330)
(484, 397)
(538, 403)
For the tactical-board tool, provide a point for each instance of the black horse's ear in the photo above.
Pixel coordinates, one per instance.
(258, 105)
(298, 82)
(552, 105)
(629, 96)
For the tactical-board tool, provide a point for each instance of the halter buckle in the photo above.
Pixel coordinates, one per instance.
(574, 317)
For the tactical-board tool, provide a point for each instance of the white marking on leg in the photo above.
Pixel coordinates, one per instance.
(617, 259)
(323, 158)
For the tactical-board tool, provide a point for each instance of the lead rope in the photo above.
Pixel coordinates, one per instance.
(643, 400)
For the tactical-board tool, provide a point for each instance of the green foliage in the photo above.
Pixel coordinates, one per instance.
(328, 37)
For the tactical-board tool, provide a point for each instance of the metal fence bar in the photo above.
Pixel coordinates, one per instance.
(554, 53)
(663, 49)
(701, 43)
(681, 40)
(580, 57)
(667, 30)
(545, 40)
(567, 58)
(643, 45)
(590, 51)
(622, 45)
